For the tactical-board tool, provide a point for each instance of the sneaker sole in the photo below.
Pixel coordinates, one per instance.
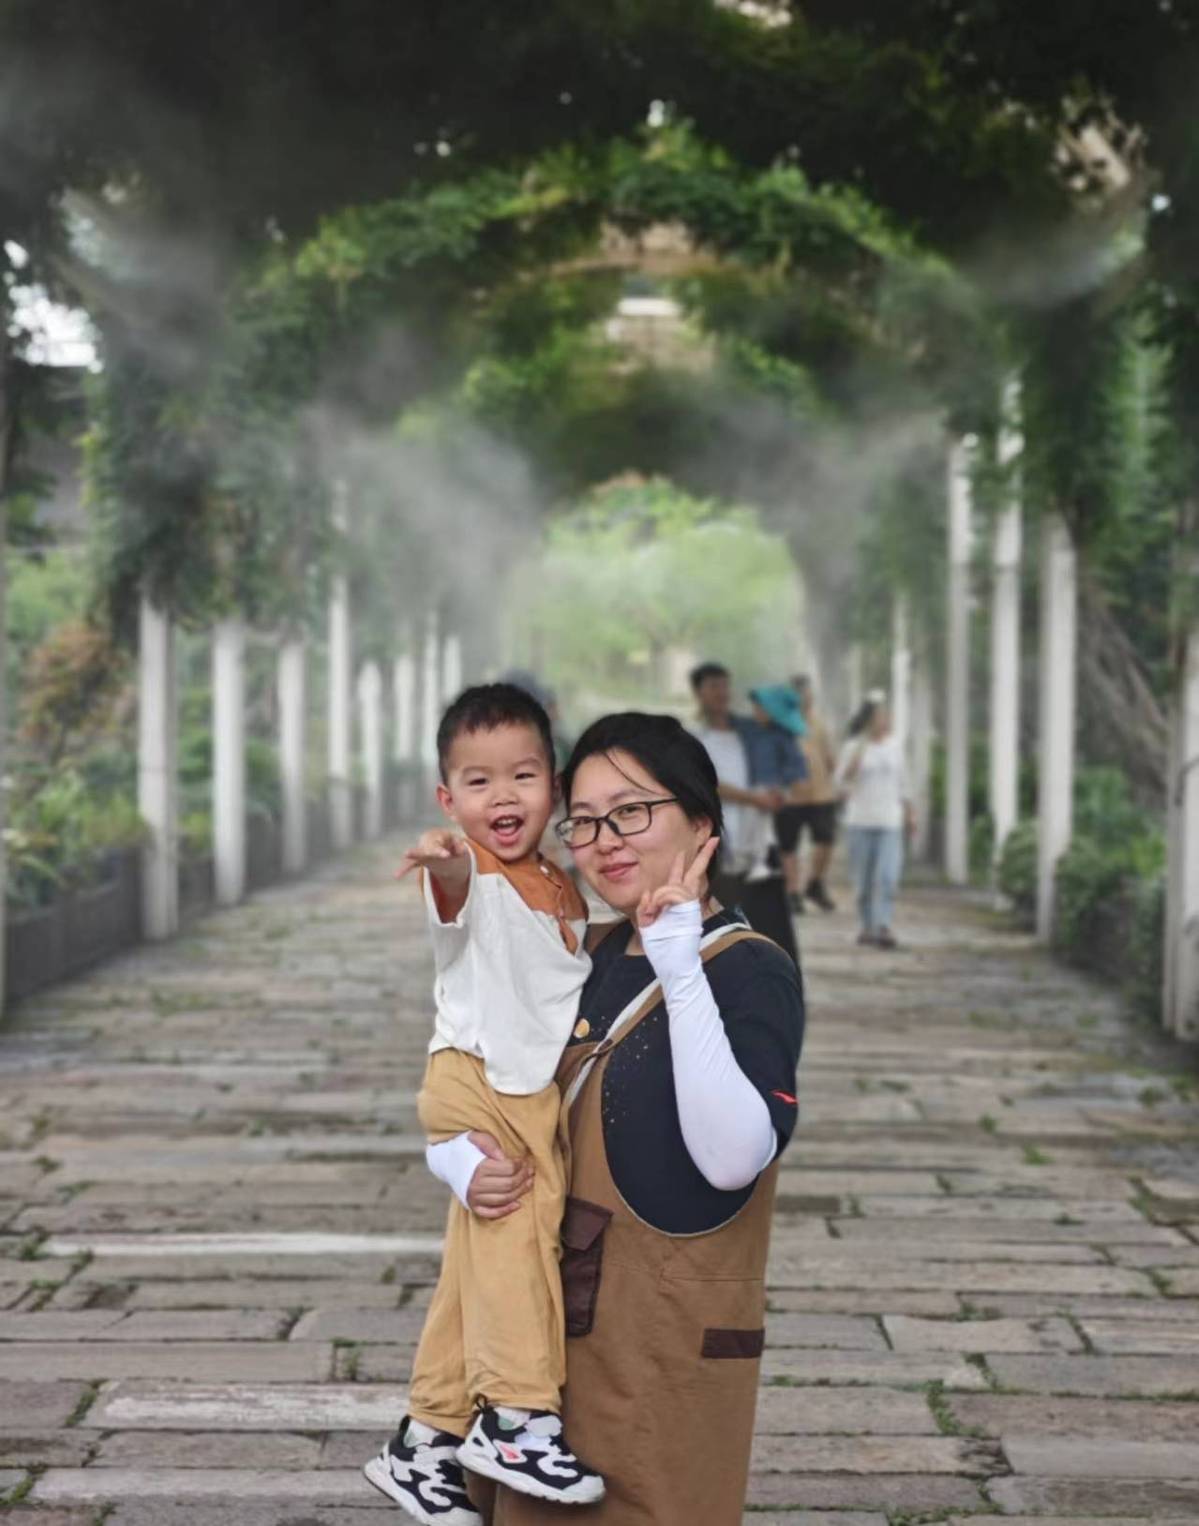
(375, 1473)
(588, 1492)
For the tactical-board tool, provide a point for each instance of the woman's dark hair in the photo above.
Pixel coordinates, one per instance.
(665, 749)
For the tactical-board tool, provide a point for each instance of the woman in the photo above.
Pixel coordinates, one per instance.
(679, 1084)
(870, 776)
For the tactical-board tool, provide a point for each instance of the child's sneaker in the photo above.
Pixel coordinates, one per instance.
(420, 1471)
(526, 1450)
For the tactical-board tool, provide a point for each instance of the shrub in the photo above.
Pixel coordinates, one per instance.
(1018, 868)
(1090, 890)
(60, 837)
(1146, 947)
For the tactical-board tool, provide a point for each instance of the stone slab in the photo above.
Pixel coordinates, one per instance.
(9, 1479)
(209, 1449)
(28, 1404)
(1034, 1306)
(872, 1454)
(982, 1277)
(816, 1518)
(44, 1449)
(874, 1491)
(890, 1367)
(398, 1326)
(1070, 1457)
(1070, 1520)
(1156, 1499)
(1104, 1376)
(50, 1325)
(193, 1361)
(1133, 1336)
(843, 1411)
(245, 1406)
(25, 1515)
(854, 1301)
(72, 1485)
(1120, 1419)
(299, 1245)
(980, 1335)
(156, 1512)
(199, 1325)
(255, 1293)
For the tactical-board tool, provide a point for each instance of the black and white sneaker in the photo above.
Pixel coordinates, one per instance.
(420, 1471)
(526, 1451)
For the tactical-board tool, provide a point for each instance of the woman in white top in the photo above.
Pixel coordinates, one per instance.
(877, 812)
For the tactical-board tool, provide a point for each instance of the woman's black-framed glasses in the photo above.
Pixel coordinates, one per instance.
(626, 821)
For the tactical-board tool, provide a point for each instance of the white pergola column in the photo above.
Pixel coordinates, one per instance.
(157, 770)
(341, 698)
(957, 668)
(370, 730)
(920, 756)
(293, 700)
(1182, 918)
(1058, 653)
(1005, 634)
(451, 668)
(901, 670)
(431, 694)
(3, 669)
(229, 761)
(403, 690)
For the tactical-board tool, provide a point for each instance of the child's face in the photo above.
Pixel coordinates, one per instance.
(500, 789)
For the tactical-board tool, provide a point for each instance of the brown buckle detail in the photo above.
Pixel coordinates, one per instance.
(746, 1344)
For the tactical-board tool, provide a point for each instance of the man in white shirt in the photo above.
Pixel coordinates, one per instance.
(750, 877)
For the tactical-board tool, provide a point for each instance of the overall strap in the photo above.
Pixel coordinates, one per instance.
(711, 944)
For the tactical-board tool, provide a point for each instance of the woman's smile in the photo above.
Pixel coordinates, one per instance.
(619, 871)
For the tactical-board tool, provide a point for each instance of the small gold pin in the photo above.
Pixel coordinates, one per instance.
(582, 1028)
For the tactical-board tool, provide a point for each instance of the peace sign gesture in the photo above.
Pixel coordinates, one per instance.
(681, 885)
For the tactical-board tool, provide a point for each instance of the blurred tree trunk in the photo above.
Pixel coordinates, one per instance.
(1121, 721)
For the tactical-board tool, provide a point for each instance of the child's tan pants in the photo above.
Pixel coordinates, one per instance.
(495, 1331)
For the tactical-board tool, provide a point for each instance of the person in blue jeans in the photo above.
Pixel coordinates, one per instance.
(870, 775)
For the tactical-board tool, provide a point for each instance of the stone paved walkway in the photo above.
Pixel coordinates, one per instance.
(217, 1234)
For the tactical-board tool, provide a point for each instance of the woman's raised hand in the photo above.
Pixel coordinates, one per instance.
(498, 1184)
(681, 885)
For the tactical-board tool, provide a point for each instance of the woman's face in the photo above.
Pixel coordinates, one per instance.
(880, 724)
(622, 869)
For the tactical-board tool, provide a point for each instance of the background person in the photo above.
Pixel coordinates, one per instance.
(871, 776)
(749, 876)
(812, 807)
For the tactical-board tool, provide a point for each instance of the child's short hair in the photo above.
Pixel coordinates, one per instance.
(487, 707)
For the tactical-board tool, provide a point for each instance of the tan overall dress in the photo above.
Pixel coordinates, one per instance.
(665, 1335)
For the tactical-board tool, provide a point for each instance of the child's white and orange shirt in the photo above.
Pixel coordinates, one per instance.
(510, 968)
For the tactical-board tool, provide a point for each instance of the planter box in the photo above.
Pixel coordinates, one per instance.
(100, 921)
(78, 930)
(33, 953)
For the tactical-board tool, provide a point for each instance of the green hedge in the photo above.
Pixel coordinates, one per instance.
(1109, 892)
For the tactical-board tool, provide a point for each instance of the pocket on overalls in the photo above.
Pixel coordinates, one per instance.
(734, 1344)
(583, 1226)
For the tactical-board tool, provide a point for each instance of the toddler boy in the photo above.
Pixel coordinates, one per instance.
(508, 933)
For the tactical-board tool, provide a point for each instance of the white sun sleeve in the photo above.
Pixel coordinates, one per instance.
(454, 1162)
(725, 1122)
